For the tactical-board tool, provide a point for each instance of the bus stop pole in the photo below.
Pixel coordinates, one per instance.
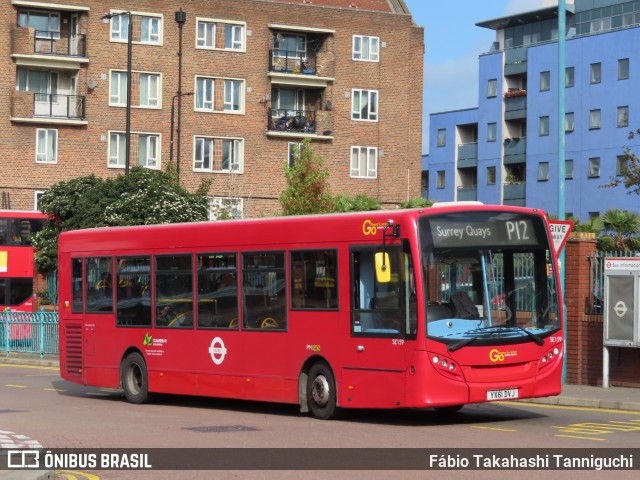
(561, 160)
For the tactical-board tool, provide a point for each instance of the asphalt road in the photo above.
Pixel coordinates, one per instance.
(37, 408)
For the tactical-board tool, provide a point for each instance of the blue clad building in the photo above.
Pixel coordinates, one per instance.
(505, 151)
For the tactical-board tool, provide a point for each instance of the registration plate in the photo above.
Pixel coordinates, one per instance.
(508, 394)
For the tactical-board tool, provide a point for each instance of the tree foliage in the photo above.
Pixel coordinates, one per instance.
(619, 231)
(359, 203)
(630, 174)
(307, 189)
(144, 197)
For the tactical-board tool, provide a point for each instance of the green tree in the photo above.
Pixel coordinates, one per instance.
(619, 231)
(144, 197)
(630, 173)
(359, 203)
(307, 189)
(416, 202)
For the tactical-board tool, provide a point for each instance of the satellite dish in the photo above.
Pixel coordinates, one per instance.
(91, 84)
(280, 37)
(329, 105)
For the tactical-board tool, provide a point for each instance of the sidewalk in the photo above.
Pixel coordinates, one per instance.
(612, 398)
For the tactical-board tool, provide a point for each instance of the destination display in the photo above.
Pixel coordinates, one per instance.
(458, 233)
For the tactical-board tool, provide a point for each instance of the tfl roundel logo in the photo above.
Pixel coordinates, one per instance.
(217, 350)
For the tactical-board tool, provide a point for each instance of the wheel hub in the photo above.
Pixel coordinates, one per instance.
(320, 391)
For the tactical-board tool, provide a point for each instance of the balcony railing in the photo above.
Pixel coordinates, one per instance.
(467, 193)
(58, 106)
(42, 42)
(287, 61)
(301, 121)
(467, 155)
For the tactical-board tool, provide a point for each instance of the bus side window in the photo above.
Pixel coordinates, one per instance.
(264, 291)
(77, 305)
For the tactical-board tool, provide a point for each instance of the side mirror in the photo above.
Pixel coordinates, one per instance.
(383, 268)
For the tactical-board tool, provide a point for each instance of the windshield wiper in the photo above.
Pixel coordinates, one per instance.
(488, 331)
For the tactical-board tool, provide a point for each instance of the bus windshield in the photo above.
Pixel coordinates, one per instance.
(489, 279)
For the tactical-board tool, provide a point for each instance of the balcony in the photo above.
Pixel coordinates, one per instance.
(467, 155)
(514, 193)
(292, 62)
(515, 106)
(515, 61)
(44, 48)
(467, 193)
(515, 150)
(297, 123)
(32, 107)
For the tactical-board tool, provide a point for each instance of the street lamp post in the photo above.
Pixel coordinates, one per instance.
(127, 133)
(173, 106)
(181, 18)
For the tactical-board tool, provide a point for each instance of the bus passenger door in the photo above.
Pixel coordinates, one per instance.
(382, 320)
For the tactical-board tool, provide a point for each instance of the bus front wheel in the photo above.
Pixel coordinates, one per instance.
(321, 392)
(134, 378)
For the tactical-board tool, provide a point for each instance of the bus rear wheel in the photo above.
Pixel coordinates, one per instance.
(134, 378)
(321, 392)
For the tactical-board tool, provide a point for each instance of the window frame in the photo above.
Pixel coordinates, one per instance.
(441, 139)
(121, 34)
(372, 113)
(492, 175)
(334, 268)
(569, 122)
(268, 269)
(622, 165)
(544, 127)
(219, 271)
(152, 145)
(595, 73)
(216, 24)
(595, 119)
(49, 150)
(545, 81)
(370, 162)
(217, 203)
(624, 109)
(373, 54)
(569, 77)
(48, 13)
(543, 171)
(624, 71)
(568, 172)
(492, 132)
(218, 142)
(492, 88)
(441, 179)
(594, 163)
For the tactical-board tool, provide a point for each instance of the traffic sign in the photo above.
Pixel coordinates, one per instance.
(560, 230)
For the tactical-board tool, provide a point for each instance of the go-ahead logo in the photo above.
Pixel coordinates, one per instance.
(496, 355)
(370, 228)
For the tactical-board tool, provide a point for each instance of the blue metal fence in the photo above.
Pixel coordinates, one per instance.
(27, 332)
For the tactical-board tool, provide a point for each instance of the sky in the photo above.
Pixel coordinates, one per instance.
(453, 43)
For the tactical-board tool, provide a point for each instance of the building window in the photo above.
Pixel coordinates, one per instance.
(364, 162)
(146, 145)
(623, 69)
(569, 77)
(491, 132)
(37, 81)
(213, 154)
(622, 165)
(206, 99)
(287, 44)
(594, 167)
(440, 180)
(148, 92)
(221, 208)
(623, 116)
(150, 29)
(491, 175)
(295, 150)
(543, 171)
(544, 126)
(568, 169)
(545, 81)
(594, 119)
(37, 195)
(595, 75)
(569, 122)
(118, 89)
(148, 151)
(442, 137)
(220, 34)
(366, 48)
(45, 24)
(492, 88)
(364, 105)
(593, 215)
(46, 145)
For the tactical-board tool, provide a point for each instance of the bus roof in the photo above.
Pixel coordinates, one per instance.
(258, 232)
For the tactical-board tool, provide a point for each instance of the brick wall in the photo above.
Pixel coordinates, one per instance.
(585, 332)
(83, 149)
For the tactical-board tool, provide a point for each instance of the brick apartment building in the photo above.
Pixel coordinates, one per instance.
(258, 76)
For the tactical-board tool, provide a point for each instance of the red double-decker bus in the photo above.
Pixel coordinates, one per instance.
(16, 258)
(436, 307)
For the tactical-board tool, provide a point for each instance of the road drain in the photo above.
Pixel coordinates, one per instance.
(222, 429)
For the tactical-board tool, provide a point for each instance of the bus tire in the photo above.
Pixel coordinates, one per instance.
(134, 378)
(321, 392)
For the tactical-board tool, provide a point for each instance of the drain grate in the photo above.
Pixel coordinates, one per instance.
(222, 429)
